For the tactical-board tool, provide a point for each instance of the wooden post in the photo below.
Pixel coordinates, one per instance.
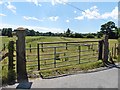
(21, 55)
(4, 47)
(106, 49)
(115, 51)
(38, 52)
(11, 71)
(54, 57)
(42, 47)
(92, 46)
(10, 55)
(112, 51)
(88, 47)
(30, 48)
(66, 46)
(79, 50)
(100, 50)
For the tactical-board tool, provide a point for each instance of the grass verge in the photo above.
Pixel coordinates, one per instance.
(71, 69)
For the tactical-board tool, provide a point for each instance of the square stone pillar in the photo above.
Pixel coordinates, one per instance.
(21, 55)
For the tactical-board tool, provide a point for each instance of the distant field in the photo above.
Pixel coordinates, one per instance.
(54, 39)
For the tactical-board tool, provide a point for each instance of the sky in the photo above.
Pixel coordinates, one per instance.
(57, 15)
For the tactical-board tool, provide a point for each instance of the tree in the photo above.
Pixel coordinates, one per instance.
(109, 28)
(90, 35)
(78, 35)
(9, 32)
(37, 33)
(99, 34)
(68, 32)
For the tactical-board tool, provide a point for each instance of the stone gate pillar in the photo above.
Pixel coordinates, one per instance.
(21, 55)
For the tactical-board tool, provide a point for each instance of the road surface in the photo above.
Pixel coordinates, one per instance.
(101, 79)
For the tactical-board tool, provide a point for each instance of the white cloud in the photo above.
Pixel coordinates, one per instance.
(75, 11)
(79, 18)
(39, 5)
(53, 18)
(93, 13)
(1, 2)
(11, 7)
(31, 18)
(2, 15)
(36, 2)
(36, 28)
(67, 21)
(54, 2)
(113, 14)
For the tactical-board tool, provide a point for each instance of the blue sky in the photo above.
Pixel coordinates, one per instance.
(57, 16)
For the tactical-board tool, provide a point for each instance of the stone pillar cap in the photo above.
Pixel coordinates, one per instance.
(21, 28)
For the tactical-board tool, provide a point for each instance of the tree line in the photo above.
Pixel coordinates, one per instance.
(108, 28)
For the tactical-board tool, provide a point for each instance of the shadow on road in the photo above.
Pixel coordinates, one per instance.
(24, 85)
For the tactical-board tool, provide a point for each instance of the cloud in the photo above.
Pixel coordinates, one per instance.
(31, 18)
(54, 2)
(67, 21)
(53, 18)
(36, 2)
(93, 13)
(3, 15)
(40, 5)
(79, 18)
(11, 7)
(113, 14)
(36, 28)
(1, 2)
(75, 11)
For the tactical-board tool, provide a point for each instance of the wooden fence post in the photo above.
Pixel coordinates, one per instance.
(4, 47)
(38, 52)
(42, 48)
(112, 51)
(54, 57)
(79, 50)
(21, 55)
(11, 71)
(10, 55)
(100, 50)
(115, 51)
(106, 49)
(30, 48)
(66, 46)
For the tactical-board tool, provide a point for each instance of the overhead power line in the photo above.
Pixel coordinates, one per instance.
(81, 10)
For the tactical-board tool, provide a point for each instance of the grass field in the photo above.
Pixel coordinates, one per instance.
(35, 39)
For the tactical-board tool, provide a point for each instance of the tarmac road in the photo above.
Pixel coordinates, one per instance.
(101, 79)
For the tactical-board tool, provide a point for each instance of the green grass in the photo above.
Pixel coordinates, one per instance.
(70, 51)
(71, 69)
